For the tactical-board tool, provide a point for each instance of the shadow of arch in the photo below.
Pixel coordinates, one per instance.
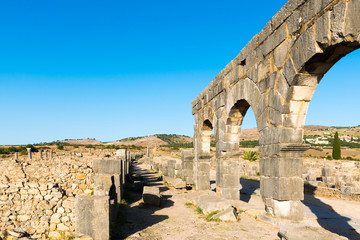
(327, 217)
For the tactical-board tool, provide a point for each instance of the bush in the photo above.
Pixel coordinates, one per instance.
(251, 155)
(60, 147)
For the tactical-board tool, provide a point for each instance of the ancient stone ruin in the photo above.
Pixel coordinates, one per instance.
(276, 74)
(62, 196)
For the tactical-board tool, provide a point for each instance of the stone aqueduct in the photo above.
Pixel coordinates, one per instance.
(276, 74)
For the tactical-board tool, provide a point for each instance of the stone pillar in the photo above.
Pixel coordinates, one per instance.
(281, 184)
(228, 171)
(46, 154)
(107, 178)
(148, 151)
(202, 180)
(187, 165)
(16, 156)
(41, 154)
(29, 153)
(92, 216)
(171, 168)
(51, 154)
(121, 155)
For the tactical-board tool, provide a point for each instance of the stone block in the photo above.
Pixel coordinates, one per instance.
(289, 71)
(171, 168)
(301, 93)
(203, 182)
(210, 203)
(121, 153)
(338, 22)
(290, 135)
(282, 188)
(323, 35)
(274, 40)
(292, 210)
(281, 167)
(108, 185)
(107, 166)
(151, 196)
(229, 214)
(304, 48)
(230, 193)
(352, 20)
(92, 216)
(293, 22)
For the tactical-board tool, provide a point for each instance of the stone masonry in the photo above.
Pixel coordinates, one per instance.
(275, 74)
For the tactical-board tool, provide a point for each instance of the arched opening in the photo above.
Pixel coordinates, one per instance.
(206, 131)
(233, 125)
(231, 165)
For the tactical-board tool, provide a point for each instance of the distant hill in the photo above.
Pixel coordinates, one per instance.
(174, 139)
(152, 141)
(81, 141)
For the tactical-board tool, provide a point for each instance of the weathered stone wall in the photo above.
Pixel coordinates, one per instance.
(37, 196)
(276, 74)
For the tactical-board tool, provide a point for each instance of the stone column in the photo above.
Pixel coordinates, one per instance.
(187, 165)
(121, 155)
(203, 172)
(228, 171)
(46, 154)
(51, 154)
(16, 156)
(281, 184)
(41, 154)
(148, 151)
(171, 168)
(107, 179)
(29, 153)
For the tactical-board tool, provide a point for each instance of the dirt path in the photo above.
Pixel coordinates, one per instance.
(174, 220)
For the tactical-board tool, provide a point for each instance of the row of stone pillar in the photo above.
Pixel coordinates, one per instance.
(94, 214)
(30, 153)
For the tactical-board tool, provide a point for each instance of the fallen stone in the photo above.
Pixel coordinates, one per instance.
(209, 203)
(175, 182)
(151, 196)
(229, 214)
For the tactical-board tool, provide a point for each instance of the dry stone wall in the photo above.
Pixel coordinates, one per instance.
(37, 197)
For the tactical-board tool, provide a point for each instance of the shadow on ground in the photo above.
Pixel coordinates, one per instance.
(248, 187)
(136, 217)
(327, 217)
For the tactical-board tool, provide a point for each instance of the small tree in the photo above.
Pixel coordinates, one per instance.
(336, 153)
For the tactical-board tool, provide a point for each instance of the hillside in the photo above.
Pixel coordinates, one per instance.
(82, 142)
(152, 141)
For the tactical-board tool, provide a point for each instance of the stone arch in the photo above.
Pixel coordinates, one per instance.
(276, 73)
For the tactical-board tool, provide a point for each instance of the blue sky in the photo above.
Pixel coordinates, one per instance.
(115, 69)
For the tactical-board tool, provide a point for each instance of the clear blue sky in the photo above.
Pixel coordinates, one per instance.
(115, 69)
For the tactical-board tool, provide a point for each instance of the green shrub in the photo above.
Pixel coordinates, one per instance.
(251, 155)
(199, 210)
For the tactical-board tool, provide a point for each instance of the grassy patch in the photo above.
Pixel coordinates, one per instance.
(166, 184)
(210, 218)
(250, 178)
(199, 210)
(189, 204)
